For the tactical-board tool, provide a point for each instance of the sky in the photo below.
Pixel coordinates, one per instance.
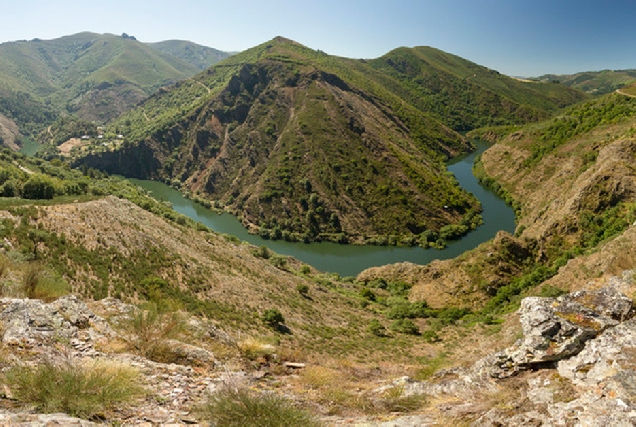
(514, 37)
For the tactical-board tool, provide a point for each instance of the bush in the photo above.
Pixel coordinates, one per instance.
(242, 408)
(272, 317)
(302, 289)
(367, 294)
(376, 328)
(83, 391)
(405, 326)
(38, 186)
(148, 330)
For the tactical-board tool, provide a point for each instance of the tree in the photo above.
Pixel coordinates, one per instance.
(272, 317)
(38, 186)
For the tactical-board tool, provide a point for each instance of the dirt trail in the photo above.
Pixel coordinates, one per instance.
(206, 88)
(620, 92)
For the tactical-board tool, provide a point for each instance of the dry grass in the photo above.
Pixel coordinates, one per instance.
(88, 390)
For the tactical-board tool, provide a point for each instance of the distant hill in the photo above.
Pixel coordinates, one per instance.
(93, 76)
(594, 82)
(465, 95)
(201, 57)
(304, 145)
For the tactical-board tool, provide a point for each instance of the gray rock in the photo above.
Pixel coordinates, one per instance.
(554, 329)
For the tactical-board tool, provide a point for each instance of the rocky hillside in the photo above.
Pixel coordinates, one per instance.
(306, 146)
(573, 363)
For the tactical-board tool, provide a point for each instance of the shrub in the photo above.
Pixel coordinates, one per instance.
(376, 328)
(242, 408)
(31, 279)
(405, 326)
(263, 252)
(272, 317)
(38, 186)
(84, 391)
(252, 349)
(302, 289)
(148, 330)
(430, 336)
(367, 294)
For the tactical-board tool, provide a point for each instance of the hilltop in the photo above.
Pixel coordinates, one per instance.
(302, 145)
(201, 57)
(593, 82)
(94, 77)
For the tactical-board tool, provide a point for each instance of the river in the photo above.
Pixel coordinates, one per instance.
(349, 260)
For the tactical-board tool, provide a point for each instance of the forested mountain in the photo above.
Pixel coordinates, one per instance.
(593, 82)
(304, 145)
(201, 57)
(91, 76)
(465, 95)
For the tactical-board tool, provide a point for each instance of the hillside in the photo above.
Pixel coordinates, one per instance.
(305, 146)
(300, 146)
(594, 82)
(573, 184)
(464, 95)
(93, 76)
(201, 57)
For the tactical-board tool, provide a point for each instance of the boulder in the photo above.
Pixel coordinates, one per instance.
(554, 329)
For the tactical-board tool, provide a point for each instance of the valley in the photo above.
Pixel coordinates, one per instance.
(318, 237)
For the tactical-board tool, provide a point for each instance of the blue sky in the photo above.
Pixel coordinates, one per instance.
(521, 38)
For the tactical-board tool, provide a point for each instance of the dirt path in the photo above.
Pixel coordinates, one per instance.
(625, 94)
(206, 88)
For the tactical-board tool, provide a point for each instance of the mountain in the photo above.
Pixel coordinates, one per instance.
(94, 77)
(304, 145)
(593, 82)
(465, 95)
(301, 145)
(572, 181)
(201, 57)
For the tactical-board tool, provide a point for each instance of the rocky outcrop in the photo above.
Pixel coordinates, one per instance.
(575, 365)
(554, 329)
(35, 324)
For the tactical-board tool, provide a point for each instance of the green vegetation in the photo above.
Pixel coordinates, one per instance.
(579, 120)
(465, 95)
(594, 82)
(243, 408)
(84, 390)
(201, 57)
(272, 317)
(149, 330)
(92, 76)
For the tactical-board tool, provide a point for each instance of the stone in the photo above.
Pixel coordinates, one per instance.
(554, 329)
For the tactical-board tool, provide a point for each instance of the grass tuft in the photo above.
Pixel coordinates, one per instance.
(88, 391)
(231, 407)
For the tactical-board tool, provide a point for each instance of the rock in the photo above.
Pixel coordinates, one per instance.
(554, 329)
(190, 354)
(32, 322)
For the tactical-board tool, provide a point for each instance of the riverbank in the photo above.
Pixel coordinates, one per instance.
(349, 260)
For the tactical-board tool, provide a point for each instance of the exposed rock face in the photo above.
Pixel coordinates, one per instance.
(33, 323)
(554, 329)
(574, 366)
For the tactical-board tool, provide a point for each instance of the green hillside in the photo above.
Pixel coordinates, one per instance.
(201, 57)
(93, 76)
(307, 146)
(594, 82)
(465, 95)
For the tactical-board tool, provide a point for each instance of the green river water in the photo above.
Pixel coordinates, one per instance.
(349, 260)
